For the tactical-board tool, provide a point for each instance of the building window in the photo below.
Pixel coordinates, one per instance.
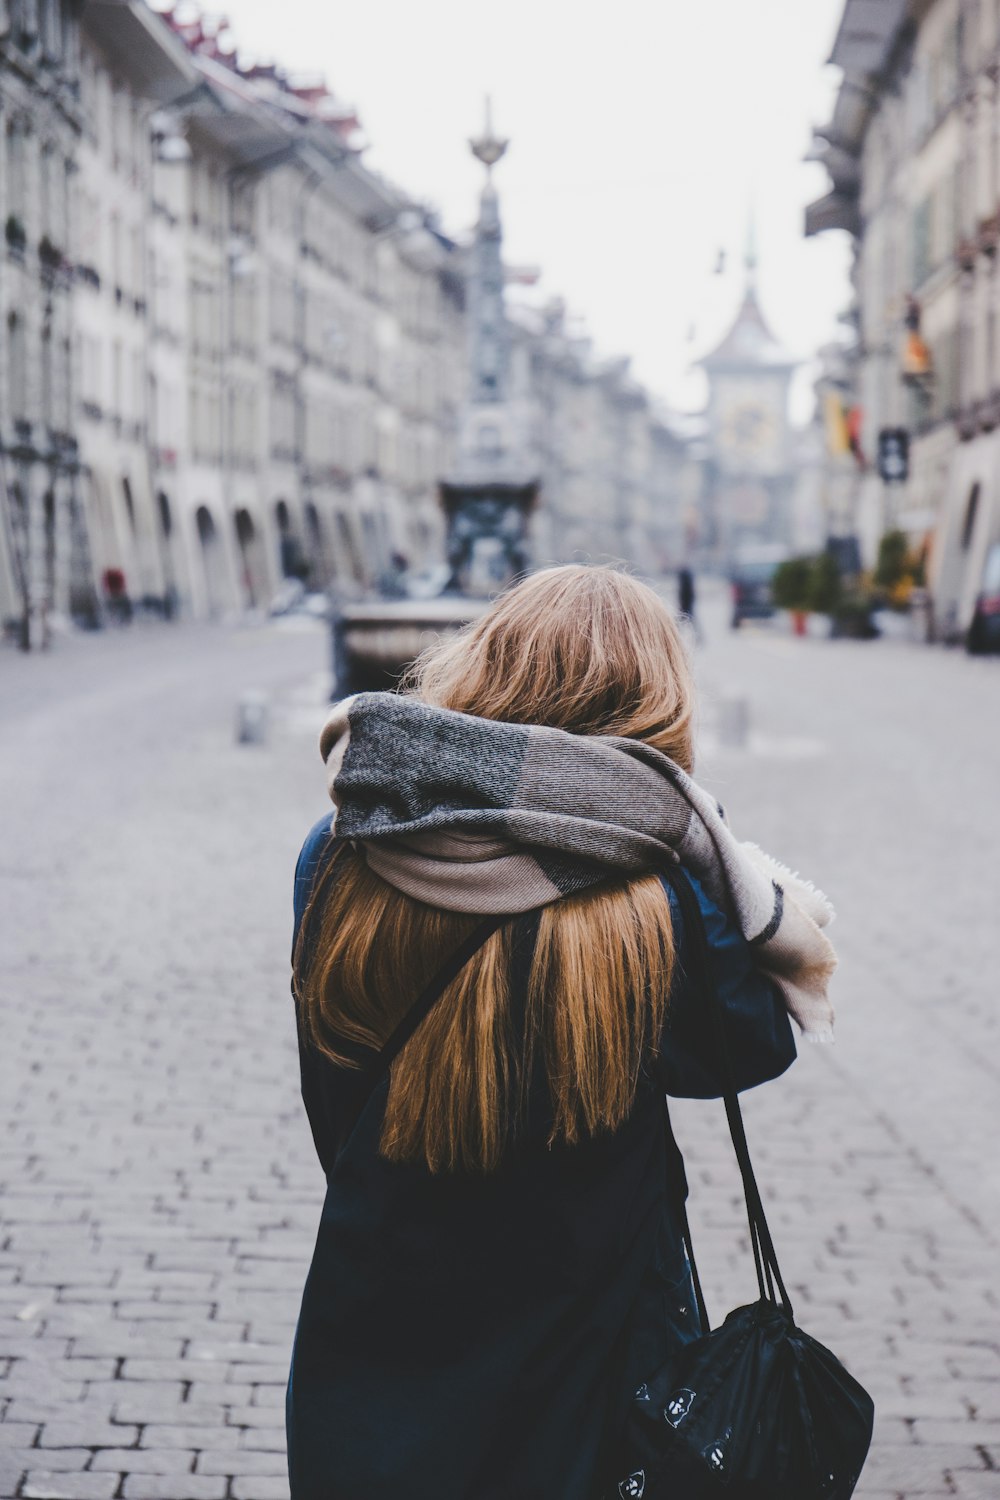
(945, 66)
(117, 396)
(969, 524)
(48, 410)
(51, 29)
(129, 505)
(28, 21)
(49, 528)
(921, 242)
(919, 100)
(16, 148)
(46, 193)
(17, 356)
(349, 547)
(64, 417)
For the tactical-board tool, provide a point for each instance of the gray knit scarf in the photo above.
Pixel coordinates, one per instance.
(474, 815)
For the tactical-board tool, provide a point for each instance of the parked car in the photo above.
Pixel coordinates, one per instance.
(750, 578)
(984, 628)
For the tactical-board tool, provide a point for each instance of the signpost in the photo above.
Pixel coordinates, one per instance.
(893, 467)
(894, 455)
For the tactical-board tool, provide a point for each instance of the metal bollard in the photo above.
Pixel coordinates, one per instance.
(734, 722)
(252, 717)
(340, 660)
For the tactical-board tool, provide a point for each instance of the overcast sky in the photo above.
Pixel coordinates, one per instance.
(641, 131)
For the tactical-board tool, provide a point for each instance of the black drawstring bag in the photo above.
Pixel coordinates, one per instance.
(756, 1409)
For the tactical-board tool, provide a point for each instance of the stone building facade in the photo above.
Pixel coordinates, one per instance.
(612, 465)
(129, 65)
(913, 153)
(42, 540)
(317, 347)
(235, 355)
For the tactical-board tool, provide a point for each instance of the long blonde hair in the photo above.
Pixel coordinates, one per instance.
(593, 651)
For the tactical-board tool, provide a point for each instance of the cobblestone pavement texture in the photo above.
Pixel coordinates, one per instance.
(159, 1192)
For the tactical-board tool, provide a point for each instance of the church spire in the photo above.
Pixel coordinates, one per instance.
(749, 344)
(750, 253)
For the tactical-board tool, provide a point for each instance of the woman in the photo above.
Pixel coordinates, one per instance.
(499, 1257)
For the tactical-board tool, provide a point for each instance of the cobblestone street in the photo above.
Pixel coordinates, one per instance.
(159, 1189)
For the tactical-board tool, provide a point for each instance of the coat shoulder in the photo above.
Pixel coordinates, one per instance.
(317, 842)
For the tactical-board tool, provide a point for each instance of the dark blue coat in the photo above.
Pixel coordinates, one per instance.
(478, 1337)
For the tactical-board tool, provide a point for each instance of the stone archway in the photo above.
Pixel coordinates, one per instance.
(253, 573)
(212, 561)
(317, 552)
(49, 524)
(353, 565)
(165, 539)
(294, 563)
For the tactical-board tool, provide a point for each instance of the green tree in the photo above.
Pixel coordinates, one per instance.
(790, 586)
(893, 559)
(824, 584)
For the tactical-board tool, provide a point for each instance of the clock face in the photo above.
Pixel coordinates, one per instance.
(749, 429)
(749, 426)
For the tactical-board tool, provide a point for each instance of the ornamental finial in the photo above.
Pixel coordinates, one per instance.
(489, 147)
(750, 254)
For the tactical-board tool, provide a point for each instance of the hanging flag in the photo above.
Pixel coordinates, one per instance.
(855, 422)
(917, 361)
(838, 438)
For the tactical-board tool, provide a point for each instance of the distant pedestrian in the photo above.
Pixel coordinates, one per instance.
(499, 1258)
(391, 582)
(686, 599)
(117, 602)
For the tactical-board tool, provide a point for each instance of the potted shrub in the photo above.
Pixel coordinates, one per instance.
(851, 619)
(892, 571)
(825, 587)
(791, 590)
(898, 571)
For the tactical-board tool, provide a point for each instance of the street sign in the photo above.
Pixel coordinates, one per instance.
(894, 454)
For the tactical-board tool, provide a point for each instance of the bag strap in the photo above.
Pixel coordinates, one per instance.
(769, 1279)
(678, 1179)
(378, 1068)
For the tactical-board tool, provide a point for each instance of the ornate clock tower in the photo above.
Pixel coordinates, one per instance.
(488, 499)
(750, 471)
